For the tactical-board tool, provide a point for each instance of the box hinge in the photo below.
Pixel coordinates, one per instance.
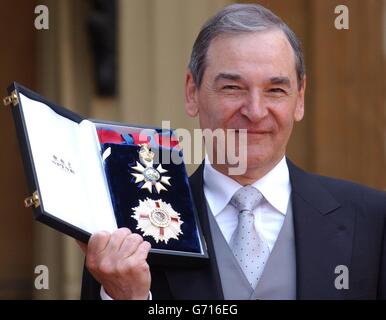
(32, 200)
(11, 99)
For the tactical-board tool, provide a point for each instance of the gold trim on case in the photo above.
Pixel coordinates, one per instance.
(32, 200)
(11, 99)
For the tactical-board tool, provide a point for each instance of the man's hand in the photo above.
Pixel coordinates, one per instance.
(118, 262)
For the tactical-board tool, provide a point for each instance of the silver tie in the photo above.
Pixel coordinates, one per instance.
(250, 250)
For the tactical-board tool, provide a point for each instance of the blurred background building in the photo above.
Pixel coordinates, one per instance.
(124, 60)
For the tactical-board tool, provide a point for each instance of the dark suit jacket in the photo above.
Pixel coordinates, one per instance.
(336, 223)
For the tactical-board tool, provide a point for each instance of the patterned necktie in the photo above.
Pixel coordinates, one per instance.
(250, 250)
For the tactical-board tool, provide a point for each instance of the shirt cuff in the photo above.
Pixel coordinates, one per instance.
(105, 296)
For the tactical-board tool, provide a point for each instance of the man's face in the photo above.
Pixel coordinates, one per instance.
(250, 83)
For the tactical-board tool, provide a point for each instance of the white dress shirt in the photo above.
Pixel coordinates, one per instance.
(269, 215)
(105, 296)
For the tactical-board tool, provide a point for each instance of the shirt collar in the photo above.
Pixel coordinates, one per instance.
(275, 187)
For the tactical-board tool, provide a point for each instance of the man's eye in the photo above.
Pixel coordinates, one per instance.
(277, 90)
(231, 87)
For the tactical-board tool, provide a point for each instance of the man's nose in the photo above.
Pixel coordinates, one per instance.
(254, 108)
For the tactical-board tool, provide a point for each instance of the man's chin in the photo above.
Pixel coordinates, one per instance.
(257, 159)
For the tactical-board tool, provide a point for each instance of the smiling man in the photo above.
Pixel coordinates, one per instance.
(274, 232)
(250, 82)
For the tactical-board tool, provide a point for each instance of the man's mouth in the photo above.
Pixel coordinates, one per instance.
(255, 131)
(258, 131)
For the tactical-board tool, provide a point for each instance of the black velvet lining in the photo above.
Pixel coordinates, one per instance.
(126, 194)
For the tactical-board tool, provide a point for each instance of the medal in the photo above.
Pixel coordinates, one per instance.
(157, 219)
(147, 173)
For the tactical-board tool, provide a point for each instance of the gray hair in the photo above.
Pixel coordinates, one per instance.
(235, 19)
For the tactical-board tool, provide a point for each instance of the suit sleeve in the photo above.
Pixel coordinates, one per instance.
(382, 279)
(90, 287)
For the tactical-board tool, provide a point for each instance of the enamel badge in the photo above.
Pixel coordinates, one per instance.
(158, 219)
(147, 173)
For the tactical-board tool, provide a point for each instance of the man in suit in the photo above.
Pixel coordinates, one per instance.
(274, 232)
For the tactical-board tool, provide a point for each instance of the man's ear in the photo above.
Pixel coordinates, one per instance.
(299, 111)
(191, 104)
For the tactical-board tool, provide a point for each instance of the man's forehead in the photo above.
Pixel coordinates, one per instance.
(240, 47)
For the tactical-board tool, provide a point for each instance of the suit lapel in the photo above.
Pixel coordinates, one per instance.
(323, 237)
(202, 282)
